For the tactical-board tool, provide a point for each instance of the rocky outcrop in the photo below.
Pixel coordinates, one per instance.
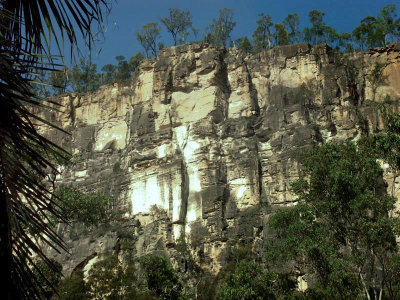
(202, 143)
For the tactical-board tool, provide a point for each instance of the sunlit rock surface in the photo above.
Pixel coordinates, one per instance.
(202, 143)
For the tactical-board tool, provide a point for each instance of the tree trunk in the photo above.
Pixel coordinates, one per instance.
(365, 287)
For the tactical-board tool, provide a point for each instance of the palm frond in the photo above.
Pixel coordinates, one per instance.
(26, 30)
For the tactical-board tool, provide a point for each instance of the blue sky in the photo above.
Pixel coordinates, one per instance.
(127, 16)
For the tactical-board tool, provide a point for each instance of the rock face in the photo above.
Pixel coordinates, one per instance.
(202, 143)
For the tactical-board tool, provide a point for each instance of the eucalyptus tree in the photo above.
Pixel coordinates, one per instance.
(281, 36)
(378, 31)
(178, 24)
(148, 36)
(219, 32)
(317, 33)
(342, 230)
(262, 36)
(292, 25)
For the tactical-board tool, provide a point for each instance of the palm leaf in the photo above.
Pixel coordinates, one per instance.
(26, 30)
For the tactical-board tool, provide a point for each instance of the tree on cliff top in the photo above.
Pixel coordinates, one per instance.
(292, 23)
(178, 24)
(26, 28)
(219, 32)
(262, 36)
(380, 30)
(148, 36)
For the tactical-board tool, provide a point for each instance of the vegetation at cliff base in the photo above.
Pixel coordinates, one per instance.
(161, 278)
(343, 228)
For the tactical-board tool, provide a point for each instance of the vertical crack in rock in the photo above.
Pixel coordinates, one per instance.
(260, 176)
(255, 108)
(184, 192)
(72, 113)
(168, 88)
(221, 80)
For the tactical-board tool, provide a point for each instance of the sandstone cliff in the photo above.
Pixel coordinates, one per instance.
(210, 136)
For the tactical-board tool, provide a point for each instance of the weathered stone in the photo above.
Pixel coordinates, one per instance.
(210, 137)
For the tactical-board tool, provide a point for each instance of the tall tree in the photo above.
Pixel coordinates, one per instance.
(84, 76)
(389, 23)
(369, 34)
(25, 202)
(341, 229)
(148, 36)
(281, 36)
(332, 37)
(219, 32)
(123, 68)
(292, 23)
(387, 19)
(317, 33)
(346, 42)
(380, 30)
(59, 81)
(262, 36)
(135, 61)
(244, 44)
(178, 24)
(108, 75)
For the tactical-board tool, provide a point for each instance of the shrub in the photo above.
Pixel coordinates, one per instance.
(109, 280)
(73, 287)
(250, 281)
(161, 278)
(88, 208)
(48, 277)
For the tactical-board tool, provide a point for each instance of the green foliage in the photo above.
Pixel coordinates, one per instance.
(136, 60)
(123, 70)
(386, 145)
(376, 77)
(109, 280)
(249, 281)
(178, 24)
(73, 287)
(281, 36)
(238, 251)
(246, 282)
(378, 31)
(292, 23)
(219, 32)
(262, 36)
(89, 208)
(244, 44)
(84, 77)
(320, 32)
(108, 75)
(316, 33)
(48, 276)
(148, 36)
(340, 230)
(206, 288)
(161, 278)
(59, 81)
